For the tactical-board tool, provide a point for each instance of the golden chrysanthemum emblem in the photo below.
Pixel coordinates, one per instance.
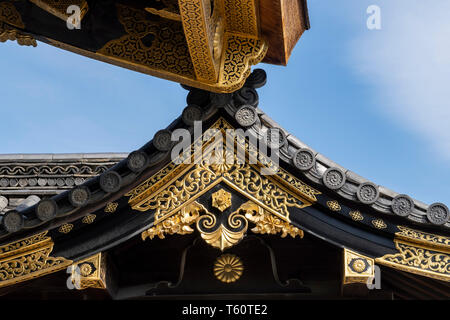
(228, 268)
(85, 269)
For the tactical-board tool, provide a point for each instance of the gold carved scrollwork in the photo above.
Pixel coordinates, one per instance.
(27, 259)
(177, 224)
(267, 223)
(420, 260)
(428, 239)
(178, 185)
(220, 235)
(9, 20)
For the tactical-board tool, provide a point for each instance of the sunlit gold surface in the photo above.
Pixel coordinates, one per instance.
(27, 259)
(228, 268)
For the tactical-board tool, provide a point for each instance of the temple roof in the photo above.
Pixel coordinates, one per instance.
(25, 179)
(309, 192)
(205, 44)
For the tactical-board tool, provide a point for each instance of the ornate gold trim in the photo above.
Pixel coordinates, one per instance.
(267, 223)
(111, 207)
(418, 259)
(176, 224)
(221, 200)
(199, 24)
(357, 267)
(27, 259)
(334, 205)
(244, 20)
(219, 235)
(428, 239)
(199, 53)
(179, 185)
(90, 272)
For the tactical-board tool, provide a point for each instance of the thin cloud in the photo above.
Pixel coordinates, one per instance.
(408, 61)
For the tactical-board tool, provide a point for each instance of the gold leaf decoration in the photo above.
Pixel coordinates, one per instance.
(228, 268)
(419, 260)
(221, 200)
(333, 205)
(28, 258)
(65, 228)
(111, 207)
(89, 219)
(379, 224)
(267, 223)
(356, 215)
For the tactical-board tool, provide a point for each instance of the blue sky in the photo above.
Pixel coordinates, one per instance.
(376, 102)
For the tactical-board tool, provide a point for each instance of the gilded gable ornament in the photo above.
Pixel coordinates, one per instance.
(221, 200)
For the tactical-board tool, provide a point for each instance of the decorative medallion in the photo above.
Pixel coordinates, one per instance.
(79, 196)
(334, 205)
(162, 140)
(90, 272)
(85, 269)
(246, 116)
(111, 207)
(46, 209)
(438, 213)
(191, 114)
(276, 138)
(334, 178)
(137, 161)
(110, 181)
(13, 221)
(402, 205)
(379, 224)
(89, 219)
(368, 193)
(221, 200)
(356, 215)
(304, 159)
(65, 228)
(357, 267)
(228, 268)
